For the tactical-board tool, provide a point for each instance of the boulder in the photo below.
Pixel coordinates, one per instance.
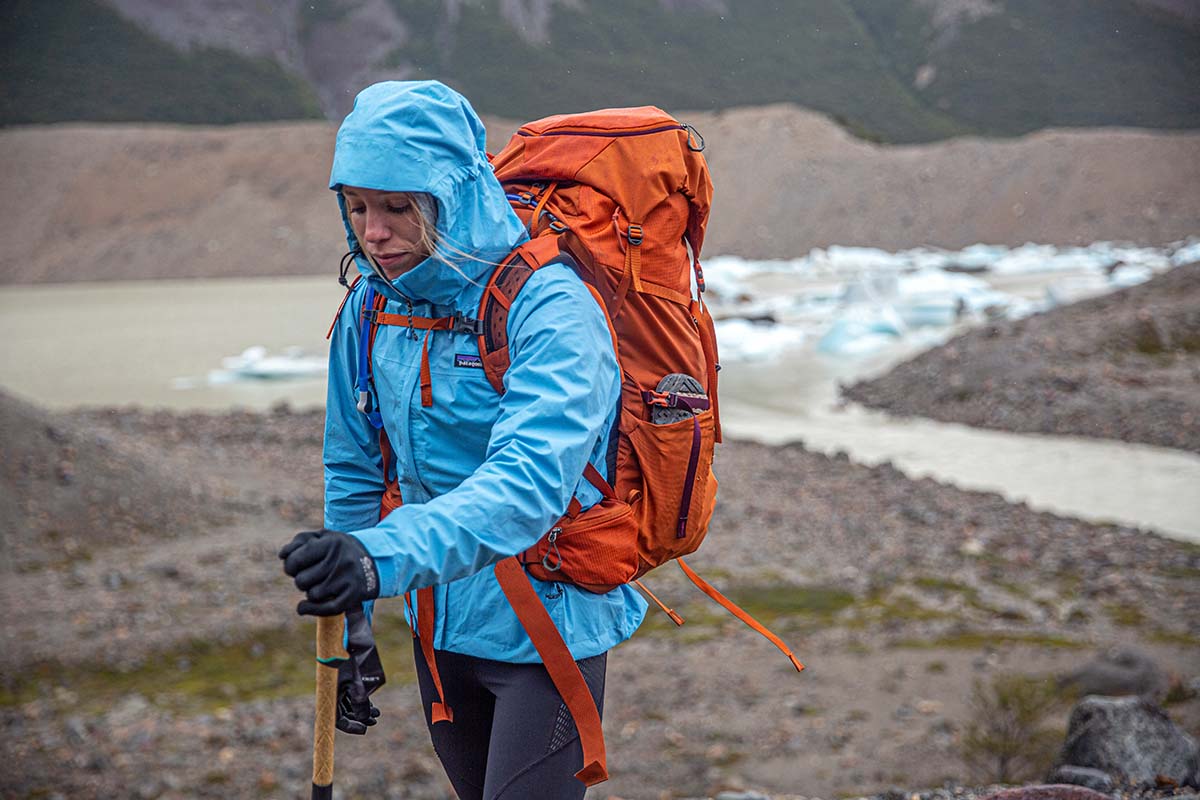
(1131, 739)
(1082, 776)
(1117, 672)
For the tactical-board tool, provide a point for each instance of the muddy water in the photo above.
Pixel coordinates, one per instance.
(154, 344)
(1097, 480)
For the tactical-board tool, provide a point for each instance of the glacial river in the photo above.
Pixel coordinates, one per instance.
(154, 344)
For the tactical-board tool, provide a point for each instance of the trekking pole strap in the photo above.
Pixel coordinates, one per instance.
(563, 670)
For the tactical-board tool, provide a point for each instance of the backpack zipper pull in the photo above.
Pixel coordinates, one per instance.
(552, 539)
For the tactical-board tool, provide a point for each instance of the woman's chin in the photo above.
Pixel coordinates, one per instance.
(394, 272)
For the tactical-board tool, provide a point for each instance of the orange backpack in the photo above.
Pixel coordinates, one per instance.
(625, 193)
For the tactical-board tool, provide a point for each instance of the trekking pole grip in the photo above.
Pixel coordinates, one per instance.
(329, 653)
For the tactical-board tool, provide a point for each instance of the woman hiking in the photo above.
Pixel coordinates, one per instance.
(461, 477)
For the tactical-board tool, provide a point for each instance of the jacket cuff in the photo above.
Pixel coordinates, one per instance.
(385, 568)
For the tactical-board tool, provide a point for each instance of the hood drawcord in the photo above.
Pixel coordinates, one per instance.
(344, 265)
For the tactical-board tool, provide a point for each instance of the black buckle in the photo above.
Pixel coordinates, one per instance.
(635, 233)
(461, 323)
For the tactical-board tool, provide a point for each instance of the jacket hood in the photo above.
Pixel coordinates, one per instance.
(422, 136)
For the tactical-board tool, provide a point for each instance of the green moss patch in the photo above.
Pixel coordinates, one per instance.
(978, 640)
(1125, 615)
(202, 676)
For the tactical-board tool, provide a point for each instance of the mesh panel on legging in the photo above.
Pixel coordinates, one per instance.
(564, 726)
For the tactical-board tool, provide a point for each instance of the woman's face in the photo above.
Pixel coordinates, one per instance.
(389, 228)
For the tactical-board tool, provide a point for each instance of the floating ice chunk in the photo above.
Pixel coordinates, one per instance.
(980, 256)
(250, 355)
(862, 330)
(1073, 288)
(255, 363)
(743, 340)
(872, 287)
(851, 337)
(930, 311)
(1117, 255)
(727, 278)
(863, 258)
(1130, 275)
(1048, 258)
(1186, 254)
(924, 258)
(936, 298)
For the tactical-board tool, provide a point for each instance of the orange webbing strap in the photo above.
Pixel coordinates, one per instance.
(427, 324)
(564, 672)
(426, 377)
(537, 211)
(633, 254)
(419, 323)
(618, 299)
(392, 498)
(666, 294)
(631, 275)
(341, 305)
(732, 608)
(596, 479)
(439, 711)
(678, 620)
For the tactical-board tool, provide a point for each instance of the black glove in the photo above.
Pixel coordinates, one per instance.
(358, 677)
(333, 569)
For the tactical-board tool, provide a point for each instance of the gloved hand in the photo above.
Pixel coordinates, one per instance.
(358, 677)
(333, 569)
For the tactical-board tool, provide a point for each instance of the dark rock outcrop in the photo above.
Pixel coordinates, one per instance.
(1130, 739)
(1086, 777)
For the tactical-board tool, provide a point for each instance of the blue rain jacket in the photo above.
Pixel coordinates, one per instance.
(483, 475)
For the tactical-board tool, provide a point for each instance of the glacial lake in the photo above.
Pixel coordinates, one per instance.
(157, 344)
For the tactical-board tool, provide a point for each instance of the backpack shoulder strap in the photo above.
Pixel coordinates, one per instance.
(561, 666)
(502, 289)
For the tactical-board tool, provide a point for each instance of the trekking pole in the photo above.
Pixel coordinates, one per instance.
(329, 654)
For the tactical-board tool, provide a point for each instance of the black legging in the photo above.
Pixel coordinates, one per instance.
(512, 736)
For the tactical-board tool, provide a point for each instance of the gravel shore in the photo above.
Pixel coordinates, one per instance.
(1121, 366)
(150, 647)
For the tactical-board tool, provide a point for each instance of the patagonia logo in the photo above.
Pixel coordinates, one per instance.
(463, 360)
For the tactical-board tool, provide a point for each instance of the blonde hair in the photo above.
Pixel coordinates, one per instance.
(439, 246)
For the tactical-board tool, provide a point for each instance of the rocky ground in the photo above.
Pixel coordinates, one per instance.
(150, 649)
(1122, 366)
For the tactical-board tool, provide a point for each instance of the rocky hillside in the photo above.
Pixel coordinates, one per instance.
(904, 71)
(97, 203)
